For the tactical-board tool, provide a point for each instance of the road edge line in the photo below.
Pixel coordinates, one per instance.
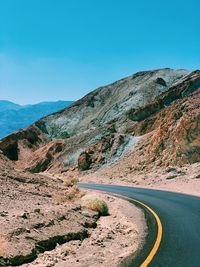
(159, 231)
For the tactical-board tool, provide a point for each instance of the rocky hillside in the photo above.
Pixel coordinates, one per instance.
(173, 121)
(151, 114)
(36, 214)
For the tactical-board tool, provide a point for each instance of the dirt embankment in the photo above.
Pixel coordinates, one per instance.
(114, 242)
(42, 222)
(36, 213)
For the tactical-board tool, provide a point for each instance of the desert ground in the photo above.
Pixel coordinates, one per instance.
(115, 241)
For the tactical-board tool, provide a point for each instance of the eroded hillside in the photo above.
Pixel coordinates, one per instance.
(137, 130)
(151, 117)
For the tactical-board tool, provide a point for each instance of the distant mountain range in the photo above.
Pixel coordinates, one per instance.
(14, 116)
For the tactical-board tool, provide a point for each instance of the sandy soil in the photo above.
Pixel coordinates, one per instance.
(184, 180)
(116, 239)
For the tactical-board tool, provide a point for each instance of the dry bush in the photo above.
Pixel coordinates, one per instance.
(71, 181)
(95, 203)
(72, 193)
(59, 197)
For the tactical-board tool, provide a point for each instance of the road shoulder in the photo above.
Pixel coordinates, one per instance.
(114, 242)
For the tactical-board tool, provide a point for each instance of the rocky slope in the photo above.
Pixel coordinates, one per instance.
(151, 117)
(120, 235)
(36, 214)
(173, 121)
(144, 129)
(43, 222)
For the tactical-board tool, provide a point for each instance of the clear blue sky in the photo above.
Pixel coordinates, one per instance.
(62, 49)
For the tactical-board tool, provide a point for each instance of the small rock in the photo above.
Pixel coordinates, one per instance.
(171, 169)
(4, 213)
(37, 210)
(171, 177)
(78, 207)
(25, 215)
(90, 214)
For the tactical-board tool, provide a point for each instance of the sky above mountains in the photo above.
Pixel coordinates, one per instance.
(60, 49)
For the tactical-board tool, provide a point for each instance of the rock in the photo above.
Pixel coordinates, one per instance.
(171, 177)
(37, 210)
(25, 215)
(197, 176)
(103, 151)
(84, 161)
(77, 208)
(90, 214)
(171, 169)
(4, 213)
(161, 81)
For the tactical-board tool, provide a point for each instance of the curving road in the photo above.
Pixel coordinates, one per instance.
(180, 217)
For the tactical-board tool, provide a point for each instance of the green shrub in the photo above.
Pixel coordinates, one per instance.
(95, 203)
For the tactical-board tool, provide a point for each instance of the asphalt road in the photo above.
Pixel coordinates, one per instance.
(180, 218)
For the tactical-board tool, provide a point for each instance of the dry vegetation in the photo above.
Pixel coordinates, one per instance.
(71, 181)
(95, 203)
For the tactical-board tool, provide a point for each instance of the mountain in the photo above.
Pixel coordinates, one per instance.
(14, 116)
(8, 105)
(142, 130)
(145, 120)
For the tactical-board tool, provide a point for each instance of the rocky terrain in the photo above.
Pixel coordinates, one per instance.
(107, 123)
(34, 215)
(148, 119)
(114, 242)
(151, 118)
(43, 223)
(143, 130)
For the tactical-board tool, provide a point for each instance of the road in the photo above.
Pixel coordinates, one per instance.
(180, 218)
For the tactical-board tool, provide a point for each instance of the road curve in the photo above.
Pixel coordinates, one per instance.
(180, 217)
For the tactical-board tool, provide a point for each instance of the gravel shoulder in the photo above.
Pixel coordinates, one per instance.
(114, 242)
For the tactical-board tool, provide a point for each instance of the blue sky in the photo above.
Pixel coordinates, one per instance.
(62, 49)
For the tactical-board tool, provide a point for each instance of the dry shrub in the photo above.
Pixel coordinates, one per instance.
(71, 181)
(95, 203)
(72, 193)
(59, 197)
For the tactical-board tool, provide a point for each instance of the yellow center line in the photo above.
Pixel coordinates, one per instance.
(159, 232)
(158, 239)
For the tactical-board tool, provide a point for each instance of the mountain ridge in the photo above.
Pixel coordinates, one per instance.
(125, 119)
(14, 116)
(8, 105)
